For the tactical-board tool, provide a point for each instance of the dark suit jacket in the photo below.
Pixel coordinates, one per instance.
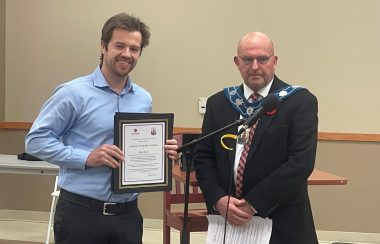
(280, 160)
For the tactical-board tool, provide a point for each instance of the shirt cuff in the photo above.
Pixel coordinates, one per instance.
(253, 209)
(79, 158)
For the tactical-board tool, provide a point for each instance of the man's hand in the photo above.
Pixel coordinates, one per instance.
(239, 211)
(170, 148)
(107, 155)
(246, 207)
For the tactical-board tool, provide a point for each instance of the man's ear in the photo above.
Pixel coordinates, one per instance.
(275, 60)
(103, 47)
(236, 60)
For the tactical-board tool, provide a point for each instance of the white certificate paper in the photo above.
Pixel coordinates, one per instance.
(142, 138)
(257, 231)
(143, 152)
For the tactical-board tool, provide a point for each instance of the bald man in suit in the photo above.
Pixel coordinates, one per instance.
(281, 155)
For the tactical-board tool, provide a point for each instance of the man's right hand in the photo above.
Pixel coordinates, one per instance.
(237, 215)
(107, 155)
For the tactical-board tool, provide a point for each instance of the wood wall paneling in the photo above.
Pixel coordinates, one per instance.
(322, 136)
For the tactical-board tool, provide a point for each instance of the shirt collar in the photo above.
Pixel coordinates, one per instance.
(100, 81)
(263, 92)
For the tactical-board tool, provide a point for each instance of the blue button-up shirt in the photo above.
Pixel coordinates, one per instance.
(78, 118)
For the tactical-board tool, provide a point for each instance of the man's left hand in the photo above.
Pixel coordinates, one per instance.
(171, 149)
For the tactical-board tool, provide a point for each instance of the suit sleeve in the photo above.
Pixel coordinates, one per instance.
(205, 161)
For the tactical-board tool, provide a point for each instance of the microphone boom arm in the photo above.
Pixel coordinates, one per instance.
(196, 141)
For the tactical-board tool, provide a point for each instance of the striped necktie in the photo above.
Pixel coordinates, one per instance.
(244, 154)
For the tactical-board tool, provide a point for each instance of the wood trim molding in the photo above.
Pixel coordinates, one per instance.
(15, 125)
(358, 137)
(322, 136)
(182, 130)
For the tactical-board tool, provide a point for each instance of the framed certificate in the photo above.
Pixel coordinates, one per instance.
(142, 136)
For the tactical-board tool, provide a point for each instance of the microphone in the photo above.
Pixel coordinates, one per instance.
(268, 106)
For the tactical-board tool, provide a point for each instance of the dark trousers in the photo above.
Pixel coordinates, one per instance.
(76, 224)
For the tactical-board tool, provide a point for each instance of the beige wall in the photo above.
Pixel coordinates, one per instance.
(353, 207)
(331, 47)
(2, 60)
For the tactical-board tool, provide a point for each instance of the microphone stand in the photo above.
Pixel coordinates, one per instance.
(187, 150)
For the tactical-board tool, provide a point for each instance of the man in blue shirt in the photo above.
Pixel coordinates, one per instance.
(75, 130)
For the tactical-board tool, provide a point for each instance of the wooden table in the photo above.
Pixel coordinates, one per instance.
(318, 177)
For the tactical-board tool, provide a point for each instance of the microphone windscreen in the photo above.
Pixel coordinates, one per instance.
(270, 103)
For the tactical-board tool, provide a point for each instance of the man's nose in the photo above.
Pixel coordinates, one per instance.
(255, 65)
(127, 52)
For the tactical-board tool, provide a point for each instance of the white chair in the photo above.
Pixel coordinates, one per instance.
(55, 195)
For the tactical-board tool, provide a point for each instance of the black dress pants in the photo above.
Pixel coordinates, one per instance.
(76, 224)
